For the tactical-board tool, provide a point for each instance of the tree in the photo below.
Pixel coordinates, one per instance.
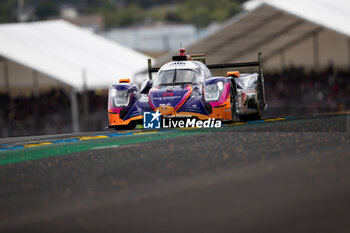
(132, 14)
(110, 14)
(8, 11)
(46, 9)
(202, 12)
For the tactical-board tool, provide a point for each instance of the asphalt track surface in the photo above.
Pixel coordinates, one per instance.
(279, 175)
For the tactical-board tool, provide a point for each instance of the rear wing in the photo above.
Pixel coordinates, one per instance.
(215, 66)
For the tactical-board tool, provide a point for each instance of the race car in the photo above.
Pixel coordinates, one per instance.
(186, 87)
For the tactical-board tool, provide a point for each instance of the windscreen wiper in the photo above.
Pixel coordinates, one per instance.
(174, 78)
(182, 83)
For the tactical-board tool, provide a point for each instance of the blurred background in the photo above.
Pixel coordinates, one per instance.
(58, 57)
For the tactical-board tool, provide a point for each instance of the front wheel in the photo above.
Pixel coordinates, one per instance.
(233, 103)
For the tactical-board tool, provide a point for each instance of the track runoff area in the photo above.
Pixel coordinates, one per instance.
(282, 174)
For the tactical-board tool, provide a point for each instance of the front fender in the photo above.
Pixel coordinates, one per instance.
(133, 95)
(225, 92)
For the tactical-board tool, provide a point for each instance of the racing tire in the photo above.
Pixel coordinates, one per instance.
(233, 103)
(131, 125)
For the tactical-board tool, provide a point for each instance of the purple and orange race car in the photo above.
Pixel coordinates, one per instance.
(186, 87)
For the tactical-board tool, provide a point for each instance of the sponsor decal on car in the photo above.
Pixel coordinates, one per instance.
(151, 120)
(154, 120)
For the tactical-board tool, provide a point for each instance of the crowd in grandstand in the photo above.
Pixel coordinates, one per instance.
(295, 87)
(47, 113)
(50, 113)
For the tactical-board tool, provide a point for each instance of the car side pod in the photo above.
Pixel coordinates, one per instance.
(121, 97)
(146, 86)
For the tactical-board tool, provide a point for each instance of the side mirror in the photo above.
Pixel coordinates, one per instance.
(234, 74)
(146, 86)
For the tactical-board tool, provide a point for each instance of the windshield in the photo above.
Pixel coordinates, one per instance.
(176, 76)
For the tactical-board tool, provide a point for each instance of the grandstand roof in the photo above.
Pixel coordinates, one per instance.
(307, 31)
(63, 51)
(333, 14)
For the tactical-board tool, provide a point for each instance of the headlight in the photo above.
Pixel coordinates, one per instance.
(212, 92)
(120, 98)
